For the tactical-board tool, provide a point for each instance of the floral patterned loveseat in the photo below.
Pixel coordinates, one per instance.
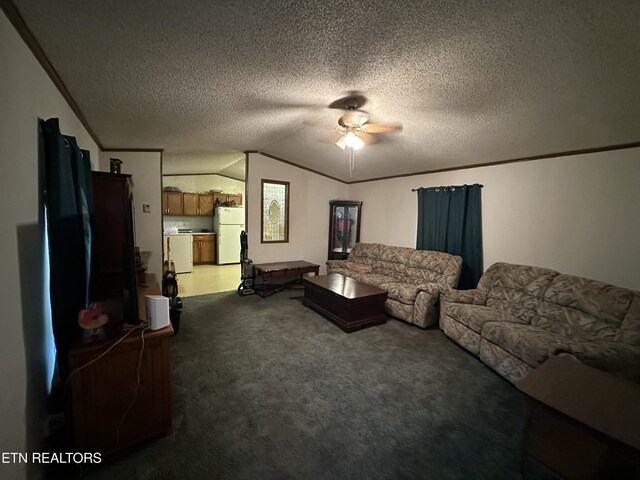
(412, 278)
(520, 315)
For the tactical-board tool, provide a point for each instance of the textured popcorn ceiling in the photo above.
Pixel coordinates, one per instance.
(471, 81)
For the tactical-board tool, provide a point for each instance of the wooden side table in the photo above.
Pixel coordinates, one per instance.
(106, 389)
(594, 421)
(269, 271)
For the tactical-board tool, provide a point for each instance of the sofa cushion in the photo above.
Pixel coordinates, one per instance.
(583, 308)
(433, 267)
(474, 316)
(393, 261)
(516, 289)
(396, 290)
(347, 273)
(530, 344)
(375, 279)
(533, 280)
(402, 292)
(357, 267)
(366, 252)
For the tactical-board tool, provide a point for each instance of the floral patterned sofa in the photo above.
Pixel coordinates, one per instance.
(412, 278)
(520, 315)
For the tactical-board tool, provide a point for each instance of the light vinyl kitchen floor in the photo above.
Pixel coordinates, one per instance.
(209, 279)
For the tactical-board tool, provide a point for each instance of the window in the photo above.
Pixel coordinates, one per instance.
(275, 211)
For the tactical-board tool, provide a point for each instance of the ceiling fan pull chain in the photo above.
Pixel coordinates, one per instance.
(352, 161)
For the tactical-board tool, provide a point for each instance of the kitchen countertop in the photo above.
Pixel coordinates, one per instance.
(189, 233)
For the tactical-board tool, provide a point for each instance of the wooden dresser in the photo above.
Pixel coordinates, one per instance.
(102, 391)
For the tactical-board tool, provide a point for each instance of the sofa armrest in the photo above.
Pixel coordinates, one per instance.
(426, 306)
(620, 358)
(474, 297)
(432, 289)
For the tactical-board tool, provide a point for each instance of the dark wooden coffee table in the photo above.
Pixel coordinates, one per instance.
(352, 305)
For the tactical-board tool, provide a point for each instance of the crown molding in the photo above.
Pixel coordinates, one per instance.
(19, 24)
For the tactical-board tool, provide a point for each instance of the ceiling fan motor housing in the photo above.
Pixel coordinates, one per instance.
(351, 103)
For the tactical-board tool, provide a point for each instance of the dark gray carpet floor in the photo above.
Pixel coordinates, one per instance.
(268, 389)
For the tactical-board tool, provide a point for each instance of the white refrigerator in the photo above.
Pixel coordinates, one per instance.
(228, 222)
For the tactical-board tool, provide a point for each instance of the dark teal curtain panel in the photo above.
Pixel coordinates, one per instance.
(69, 206)
(450, 220)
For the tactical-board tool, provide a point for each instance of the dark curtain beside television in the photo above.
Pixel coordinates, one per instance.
(450, 220)
(69, 209)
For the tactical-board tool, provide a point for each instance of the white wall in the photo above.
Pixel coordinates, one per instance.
(203, 183)
(309, 196)
(575, 214)
(26, 93)
(145, 169)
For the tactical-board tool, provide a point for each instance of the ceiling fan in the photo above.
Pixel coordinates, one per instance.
(356, 131)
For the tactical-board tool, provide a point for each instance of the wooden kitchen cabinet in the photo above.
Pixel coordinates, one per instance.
(195, 204)
(172, 203)
(227, 197)
(195, 245)
(205, 204)
(219, 198)
(198, 204)
(204, 248)
(235, 197)
(190, 203)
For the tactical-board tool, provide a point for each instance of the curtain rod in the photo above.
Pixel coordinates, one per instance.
(448, 186)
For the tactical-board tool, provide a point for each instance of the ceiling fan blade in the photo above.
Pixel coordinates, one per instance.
(367, 138)
(382, 127)
(353, 118)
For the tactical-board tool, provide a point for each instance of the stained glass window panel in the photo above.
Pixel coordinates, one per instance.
(275, 211)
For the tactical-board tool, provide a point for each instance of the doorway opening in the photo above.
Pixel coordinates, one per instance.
(198, 209)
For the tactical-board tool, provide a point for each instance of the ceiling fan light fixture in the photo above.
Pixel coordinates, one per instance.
(352, 140)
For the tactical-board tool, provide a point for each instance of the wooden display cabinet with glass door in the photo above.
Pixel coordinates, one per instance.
(344, 227)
